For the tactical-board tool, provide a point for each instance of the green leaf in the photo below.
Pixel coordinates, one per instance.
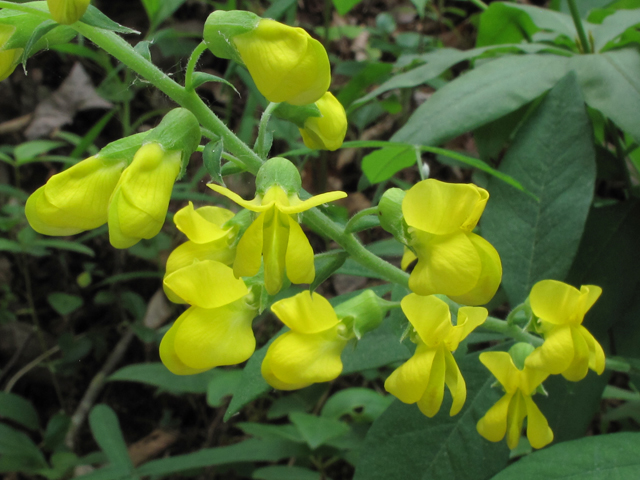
(106, 431)
(18, 409)
(39, 32)
(326, 264)
(278, 472)
(63, 303)
(554, 158)
(317, 430)
(17, 446)
(159, 10)
(71, 246)
(57, 428)
(383, 164)
(266, 431)
(200, 78)
(156, 374)
(404, 444)
(223, 384)
(602, 457)
(96, 18)
(361, 404)
(212, 158)
(484, 94)
(252, 450)
(344, 6)
(7, 245)
(613, 26)
(29, 150)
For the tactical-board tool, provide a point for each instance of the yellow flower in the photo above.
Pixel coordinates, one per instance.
(422, 378)
(67, 12)
(451, 259)
(139, 203)
(216, 330)
(568, 348)
(326, 132)
(285, 62)
(277, 236)
(208, 240)
(9, 60)
(508, 414)
(76, 199)
(310, 351)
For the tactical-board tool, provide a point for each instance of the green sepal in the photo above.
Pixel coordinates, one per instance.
(362, 313)
(281, 172)
(296, 114)
(221, 27)
(326, 264)
(212, 159)
(123, 149)
(519, 353)
(390, 214)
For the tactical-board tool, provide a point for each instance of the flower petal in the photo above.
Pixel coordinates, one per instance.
(447, 264)
(590, 293)
(468, 319)
(306, 313)
(490, 274)
(203, 225)
(493, 426)
(580, 363)
(530, 378)
(47, 219)
(208, 338)
(538, 431)
(515, 419)
(253, 205)
(249, 251)
(301, 206)
(597, 359)
(443, 208)
(275, 382)
(556, 353)
(555, 302)
(168, 353)
(274, 249)
(429, 316)
(299, 256)
(407, 258)
(455, 382)
(431, 400)
(500, 364)
(296, 358)
(206, 284)
(409, 381)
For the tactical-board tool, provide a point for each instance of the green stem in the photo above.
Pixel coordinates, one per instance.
(419, 162)
(191, 66)
(515, 332)
(586, 46)
(362, 213)
(261, 147)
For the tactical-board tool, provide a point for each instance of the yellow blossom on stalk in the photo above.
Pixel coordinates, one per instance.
(568, 348)
(67, 12)
(140, 200)
(422, 378)
(452, 260)
(310, 351)
(76, 199)
(208, 240)
(508, 414)
(275, 234)
(216, 329)
(327, 131)
(9, 60)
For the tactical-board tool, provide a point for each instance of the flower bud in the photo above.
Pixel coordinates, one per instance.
(67, 12)
(286, 64)
(327, 131)
(362, 313)
(280, 172)
(390, 213)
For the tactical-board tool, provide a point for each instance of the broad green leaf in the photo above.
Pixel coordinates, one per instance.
(360, 404)
(63, 245)
(600, 457)
(267, 431)
(344, 6)
(156, 374)
(224, 383)
(106, 431)
(383, 164)
(484, 94)
(318, 430)
(252, 450)
(553, 156)
(279, 472)
(29, 150)
(613, 26)
(389, 247)
(404, 444)
(19, 409)
(17, 446)
(57, 428)
(63, 303)
(7, 245)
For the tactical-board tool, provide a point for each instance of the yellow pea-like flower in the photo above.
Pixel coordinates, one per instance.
(452, 260)
(327, 131)
(67, 12)
(208, 240)
(139, 203)
(9, 60)
(286, 64)
(310, 352)
(276, 236)
(508, 414)
(422, 378)
(568, 348)
(76, 199)
(216, 329)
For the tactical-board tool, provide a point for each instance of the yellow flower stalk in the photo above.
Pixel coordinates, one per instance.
(569, 349)
(216, 329)
(76, 199)
(327, 131)
(452, 260)
(275, 234)
(67, 12)
(140, 200)
(208, 240)
(508, 414)
(422, 378)
(310, 351)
